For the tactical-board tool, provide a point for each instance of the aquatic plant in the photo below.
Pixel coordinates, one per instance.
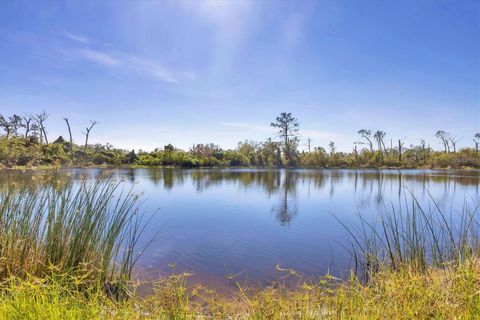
(414, 235)
(83, 227)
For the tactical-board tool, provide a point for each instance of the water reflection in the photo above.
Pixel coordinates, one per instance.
(369, 186)
(286, 209)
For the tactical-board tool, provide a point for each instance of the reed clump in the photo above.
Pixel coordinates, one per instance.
(414, 235)
(86, 228)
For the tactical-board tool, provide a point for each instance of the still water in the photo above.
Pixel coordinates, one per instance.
(220, 223)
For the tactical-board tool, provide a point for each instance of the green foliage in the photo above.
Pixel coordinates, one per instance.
(55, 154)
(19, 151)
(25, 143)
(443, 160)
(189, 162)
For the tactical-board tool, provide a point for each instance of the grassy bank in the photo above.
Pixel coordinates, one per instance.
(67, 250)
(450, 293)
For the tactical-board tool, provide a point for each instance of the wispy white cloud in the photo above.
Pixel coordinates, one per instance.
(76, 37)
(123, 60)
(98, 57)
(153, 68)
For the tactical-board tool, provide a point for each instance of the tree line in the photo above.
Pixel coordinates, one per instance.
(24, 142)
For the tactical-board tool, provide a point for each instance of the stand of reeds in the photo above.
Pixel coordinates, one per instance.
(85, 228)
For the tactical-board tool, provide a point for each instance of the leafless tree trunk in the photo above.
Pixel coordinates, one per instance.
(87, 133)
(28, 124)
(41, 118)
(424, 151)
(454, 141)
(444, 136)
(70, 134)
(400, 146)
(476, 140)
(366, 135)
(379, 135)
(6, 126)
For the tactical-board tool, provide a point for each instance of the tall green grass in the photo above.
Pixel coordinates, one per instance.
(88, 228)
(415, 235)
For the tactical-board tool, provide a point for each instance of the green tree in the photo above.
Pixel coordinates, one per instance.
(288, 127)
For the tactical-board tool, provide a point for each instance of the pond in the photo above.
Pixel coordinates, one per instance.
(228, 225)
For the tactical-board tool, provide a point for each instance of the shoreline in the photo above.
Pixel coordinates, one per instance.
(50, 167)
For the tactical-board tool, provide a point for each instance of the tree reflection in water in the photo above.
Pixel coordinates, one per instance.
(287, 207)
(367, 186)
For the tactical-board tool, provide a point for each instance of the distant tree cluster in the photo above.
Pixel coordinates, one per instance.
(24, 142)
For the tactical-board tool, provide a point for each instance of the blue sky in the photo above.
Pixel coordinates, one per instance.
(154, 72)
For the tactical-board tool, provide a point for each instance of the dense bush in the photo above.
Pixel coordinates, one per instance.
(17, 151)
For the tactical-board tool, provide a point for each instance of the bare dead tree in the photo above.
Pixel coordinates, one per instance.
(70, 134)
(454, 141)
(400, 146)
(87, 133)
(40, 119)
(444, 137)
(366, 134)
(476, 140)
(379, 136)
(16, 122)
(6, 125)
(309, 143)
(27, 123)
(424, 150)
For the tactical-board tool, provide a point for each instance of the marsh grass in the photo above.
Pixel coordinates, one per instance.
(413, 235)
(86, 228)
